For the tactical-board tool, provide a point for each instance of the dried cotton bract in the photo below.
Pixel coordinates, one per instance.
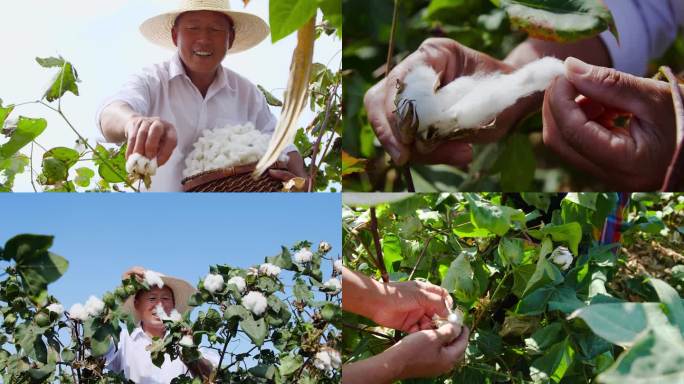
(562, 257)
(255, 302)
(226, 147)
(428, 115)
(213, 283)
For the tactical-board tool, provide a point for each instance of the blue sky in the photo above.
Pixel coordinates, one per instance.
(181, 235)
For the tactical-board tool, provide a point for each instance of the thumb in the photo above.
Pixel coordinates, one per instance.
(609, 86)
(447, 333)
(280, 174)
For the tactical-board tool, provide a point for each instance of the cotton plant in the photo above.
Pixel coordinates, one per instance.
(562, 257)
(140, 168)
(429, 114)
(225, 147)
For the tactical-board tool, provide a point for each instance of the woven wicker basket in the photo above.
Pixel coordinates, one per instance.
(234, 179)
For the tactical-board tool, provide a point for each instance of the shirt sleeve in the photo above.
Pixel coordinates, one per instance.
(113, 355)
(135, 92)
(646, 29)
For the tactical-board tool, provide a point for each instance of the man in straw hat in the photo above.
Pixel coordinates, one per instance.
(162, 111)
(131, 356)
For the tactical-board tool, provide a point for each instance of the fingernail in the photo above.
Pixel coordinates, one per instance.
(396, 156)
(577, 66)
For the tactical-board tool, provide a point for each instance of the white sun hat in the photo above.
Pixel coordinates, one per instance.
(250, 29)
(182, 291)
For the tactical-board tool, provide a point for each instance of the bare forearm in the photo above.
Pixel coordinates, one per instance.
(114, 119)
(362, 295)
(591, 51)
(380, 369)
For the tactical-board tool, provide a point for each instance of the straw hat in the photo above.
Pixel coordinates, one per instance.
(250, 29)
(182, 290)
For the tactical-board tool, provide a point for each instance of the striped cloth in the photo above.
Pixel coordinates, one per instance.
(613, 226)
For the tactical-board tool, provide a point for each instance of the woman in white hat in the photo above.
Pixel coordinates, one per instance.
(131, 357)
(162, 111)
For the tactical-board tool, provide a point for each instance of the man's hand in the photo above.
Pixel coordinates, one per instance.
(451, 60)
(295, 168)
(430, 353)
(409, 306)
(151, 137)
(635, 159)
(137, 271)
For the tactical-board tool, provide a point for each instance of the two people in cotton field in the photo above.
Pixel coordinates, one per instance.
(161, 112)
(635, 158)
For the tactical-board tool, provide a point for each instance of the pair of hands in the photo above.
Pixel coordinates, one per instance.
(634, 160)
(153, 137)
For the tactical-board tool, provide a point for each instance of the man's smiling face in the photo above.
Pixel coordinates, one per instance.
(202, 39)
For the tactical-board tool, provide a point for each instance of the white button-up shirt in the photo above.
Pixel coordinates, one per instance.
(133, 360)
(166, 91)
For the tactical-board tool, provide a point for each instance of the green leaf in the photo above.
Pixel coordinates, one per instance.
(27, 131)
(282, 260)
(672, 301)
(540, 201)
(11, 167)
(535, 302)
(351, 164)
(83, 176)
(516, 164)
(569, 233)
(546, 273)
(330, 312)
(511, 251)
(257, 330)
(656, 357)
(270, 99)
(332, 12)
(287, 16)
(35, 264)
(459, 278)
(302, 291)
(554, 364)
(496, 218)
(391, 250)
(117, 159)
(290, 364)
(54, 171)
(236, 311)
(560, 20)
(4, 113)
(634, 319)
(565, 299)
(65, 80)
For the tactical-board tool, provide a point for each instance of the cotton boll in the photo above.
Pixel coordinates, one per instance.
(186, 341)
(153, 278)
(322, 361)
(337, 265)
(213, 283)
(333, 284)
(324, 247)
(56, 308)
(78, 312)
(132, 162)
(269, 269)
(175, 316)
(562, 257)
(303, 256)
(239, 282)
(256, 302)
(335, 358)
(160, 312)
(94, 306)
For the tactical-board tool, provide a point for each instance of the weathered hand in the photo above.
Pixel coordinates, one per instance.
(151, 137)
(634, 159)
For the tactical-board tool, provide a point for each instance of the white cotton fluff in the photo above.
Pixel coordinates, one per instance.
(303, 256)
(56, 308)
(327, 359)
(269, 269)
(94, 306)
(473, 101)
(140, 165)
(337, 265)
(333, 284)
(255, 302)
(230, 146)
(562, 257)
(324, 247)
(161, 313)
(186, 341)
(213, 283)
(78, 312)
(239, 282)
(153, 278)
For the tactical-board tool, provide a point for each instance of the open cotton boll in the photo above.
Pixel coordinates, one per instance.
(56, 308)
(213, 283)
(153, 278)
(327, 359)
(256, 302)
(324, 247)
(269, 269)
(78, 312)
(160, 312)
(94, 306)
(337, 265)
(186, 341)
(333, 284)
(303, 256)
(468, 104)
(562, 257)
(239, 282)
